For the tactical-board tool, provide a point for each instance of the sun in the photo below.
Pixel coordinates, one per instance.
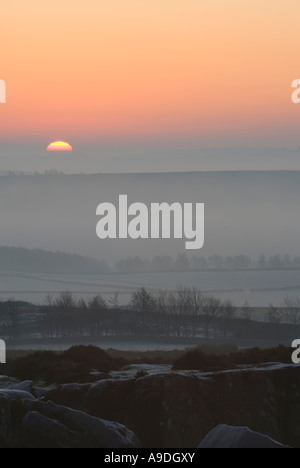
(59, 146)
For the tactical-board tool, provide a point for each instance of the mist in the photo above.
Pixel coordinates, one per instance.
(143, 156)
(245, 212)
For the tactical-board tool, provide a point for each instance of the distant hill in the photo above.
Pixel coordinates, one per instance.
(41, 261)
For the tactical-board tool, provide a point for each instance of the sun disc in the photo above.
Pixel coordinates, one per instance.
(59, 146)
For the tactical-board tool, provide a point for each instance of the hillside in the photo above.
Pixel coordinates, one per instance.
(41, 261)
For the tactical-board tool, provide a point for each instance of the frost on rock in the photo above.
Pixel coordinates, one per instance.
(237, 437)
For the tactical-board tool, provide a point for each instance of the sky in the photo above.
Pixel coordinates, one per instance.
(146, 74)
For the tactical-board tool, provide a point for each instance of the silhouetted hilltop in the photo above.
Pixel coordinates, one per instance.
(21, 259)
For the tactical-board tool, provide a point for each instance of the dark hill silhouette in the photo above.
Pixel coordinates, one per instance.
(41, 261)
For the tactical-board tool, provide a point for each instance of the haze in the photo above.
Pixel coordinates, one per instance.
(144, 156)
(246, 212)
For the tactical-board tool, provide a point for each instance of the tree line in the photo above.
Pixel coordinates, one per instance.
(37, 260)
(216, 262)
(186, 312)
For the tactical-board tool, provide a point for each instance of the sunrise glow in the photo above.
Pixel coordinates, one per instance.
(220, 71)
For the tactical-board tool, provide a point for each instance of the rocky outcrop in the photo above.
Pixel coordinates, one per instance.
(57, 426)
(237, 437)
(27, 422)
(117, 395)
(169, 410)
(6, 381)
(10, 416)
(176, 410)
(72, 395)
(25, 386)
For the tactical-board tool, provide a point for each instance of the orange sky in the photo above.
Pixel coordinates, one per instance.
(118, 68)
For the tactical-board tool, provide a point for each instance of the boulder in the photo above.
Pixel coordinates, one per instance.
(15, 394)
(47, 424)
(71, 395)
(39, 392)
(224, 436)
(6, 423)
(25, 386)
(109, 399)
(11, 414)
(6, 382)
(27, 422)
(42, 432)
(159, 408)
(178, 409)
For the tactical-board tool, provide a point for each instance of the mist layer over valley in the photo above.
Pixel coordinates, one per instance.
(246, 213)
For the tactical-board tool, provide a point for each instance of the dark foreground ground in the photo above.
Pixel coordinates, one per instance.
(155, 400)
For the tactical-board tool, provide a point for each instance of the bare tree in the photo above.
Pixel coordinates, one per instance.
(162, 310)
(211, 310)
(184, 296)
(97, 310)
(65, 300)
(292, 308)
(81, 304)
(115, 311)
(162, 302)
(227, 314)
(274, 315)
(144, 302)
(197, 306)
(114, 302)
(49, 300)
(173, 308)
(12, 318)
(64, 306)
(247, 312)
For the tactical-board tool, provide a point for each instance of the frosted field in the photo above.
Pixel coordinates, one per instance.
(259, 288)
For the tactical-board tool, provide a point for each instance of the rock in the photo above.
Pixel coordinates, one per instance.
(71, 395)
(25, 386)
(6, 425)
(14, 395)
(173, 410)
(6, 382)
(96, 375)
(11, 414)
(177, 409)
(42, 432)
(27, 422)
(237, 437)
(71, 387)
(38, 392)
(47, 424)
(109, 399)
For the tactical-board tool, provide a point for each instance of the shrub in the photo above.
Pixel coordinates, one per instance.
(96, 358)
(259, 356)
(73, 365)
(196, 359)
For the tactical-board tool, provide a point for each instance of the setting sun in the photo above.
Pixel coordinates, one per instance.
(59, 146)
